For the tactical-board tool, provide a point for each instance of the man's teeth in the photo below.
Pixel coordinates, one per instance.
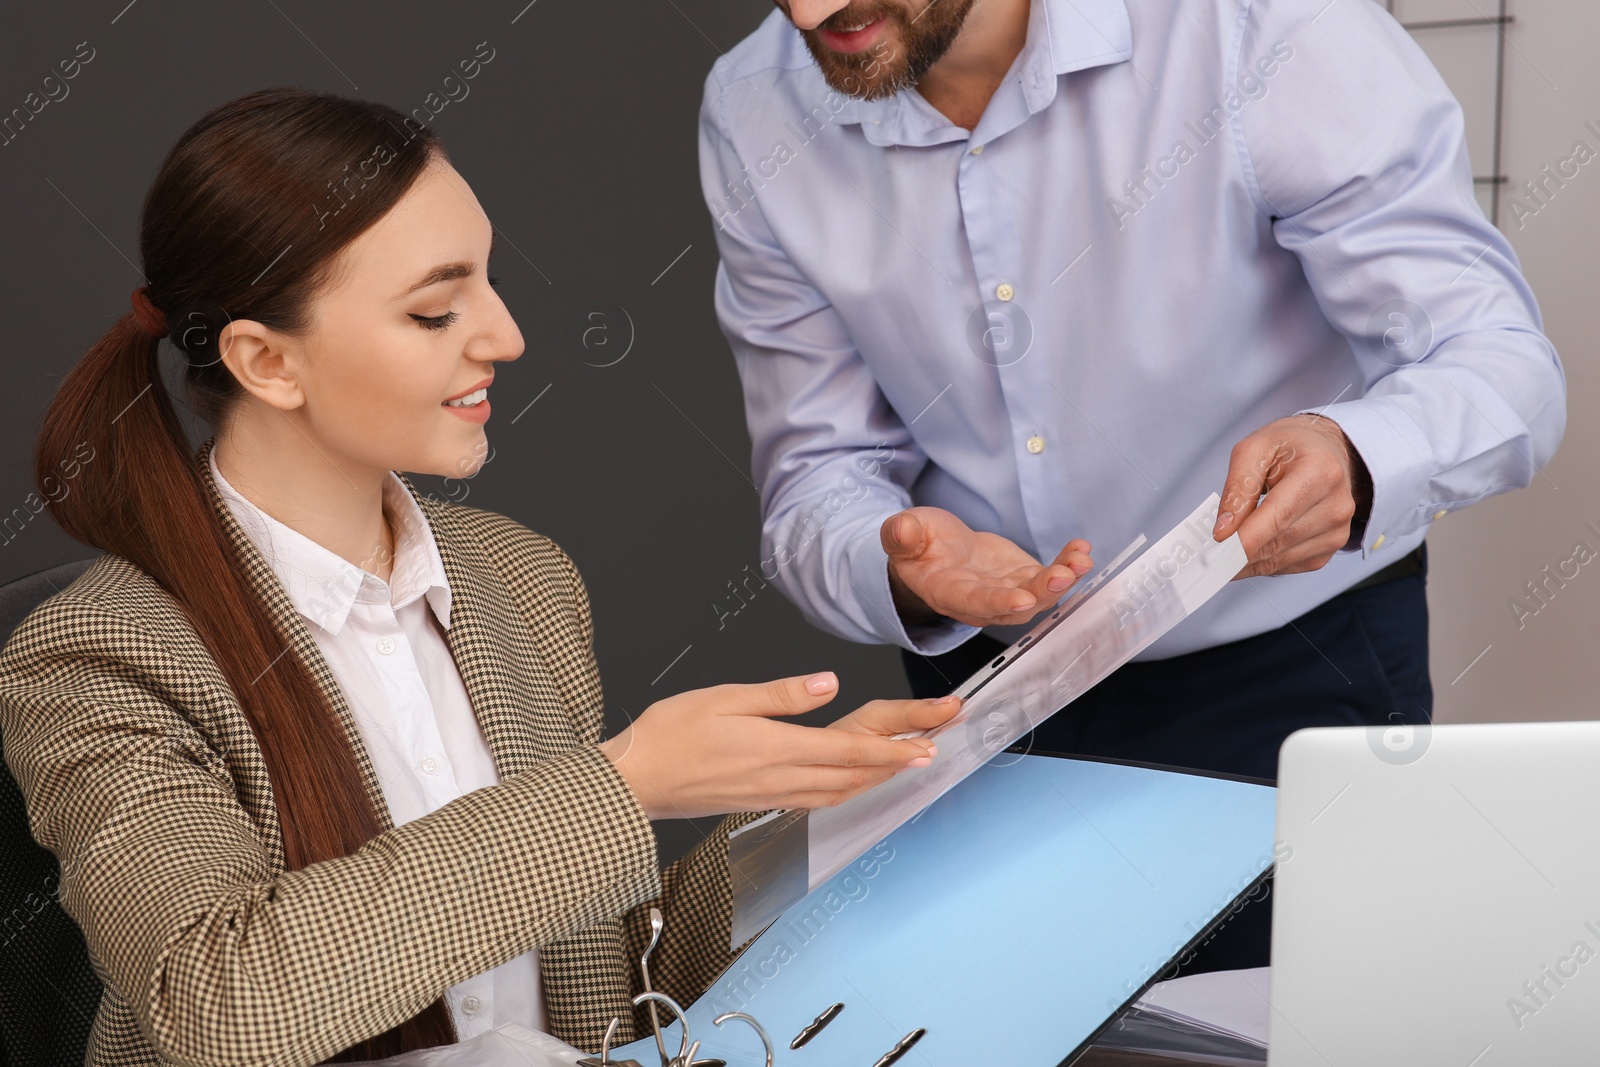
(470, 399)
(853, 29)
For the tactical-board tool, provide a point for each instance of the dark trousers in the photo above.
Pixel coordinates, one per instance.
(1359, 659)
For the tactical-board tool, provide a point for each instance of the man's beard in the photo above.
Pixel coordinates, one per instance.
(923, 37)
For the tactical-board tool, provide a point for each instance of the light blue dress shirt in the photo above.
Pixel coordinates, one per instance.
(1174, 223)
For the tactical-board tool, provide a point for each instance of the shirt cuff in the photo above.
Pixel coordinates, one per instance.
(869, 569)
(1399, 459)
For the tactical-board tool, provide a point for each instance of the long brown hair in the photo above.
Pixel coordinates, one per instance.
(244, 220)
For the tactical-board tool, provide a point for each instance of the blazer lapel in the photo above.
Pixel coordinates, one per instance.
(504, 663)
(513, 693)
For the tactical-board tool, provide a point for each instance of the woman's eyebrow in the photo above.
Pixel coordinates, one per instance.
(446, 272)
(443, 273)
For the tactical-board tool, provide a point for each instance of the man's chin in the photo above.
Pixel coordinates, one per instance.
(852, 84)
(869, 93)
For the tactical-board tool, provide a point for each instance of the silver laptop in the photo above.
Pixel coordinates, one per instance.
(1437, 897)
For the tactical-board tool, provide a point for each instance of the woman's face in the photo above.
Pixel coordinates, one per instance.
(409, 322)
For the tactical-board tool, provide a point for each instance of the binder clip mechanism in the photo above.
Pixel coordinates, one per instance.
(687, 1046)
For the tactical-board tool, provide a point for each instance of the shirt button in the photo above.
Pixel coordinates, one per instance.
(1441, 513)
(1036, 444)
(429, 765)
(471, 1005)
(385, 645)
(1378, 543)
(977, 150)
(1005, 292)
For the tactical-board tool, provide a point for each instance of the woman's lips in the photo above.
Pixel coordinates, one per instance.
(478, 412)
(852, 42)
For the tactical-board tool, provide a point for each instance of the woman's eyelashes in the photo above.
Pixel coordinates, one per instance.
(440, 322)
(436, 322)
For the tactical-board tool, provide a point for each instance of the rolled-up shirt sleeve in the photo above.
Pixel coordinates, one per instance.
(831, 456)
(1358, 154)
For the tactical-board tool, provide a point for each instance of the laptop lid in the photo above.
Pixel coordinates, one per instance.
(1437, 896)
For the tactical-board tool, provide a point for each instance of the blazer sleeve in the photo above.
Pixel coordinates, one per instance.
(696, 898)
(224, 962)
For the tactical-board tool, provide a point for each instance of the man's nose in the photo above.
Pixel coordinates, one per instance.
(809, 14)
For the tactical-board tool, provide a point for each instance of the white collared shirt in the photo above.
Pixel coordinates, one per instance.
(405, 692)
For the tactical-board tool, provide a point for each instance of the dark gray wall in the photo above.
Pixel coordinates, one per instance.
(578, 138)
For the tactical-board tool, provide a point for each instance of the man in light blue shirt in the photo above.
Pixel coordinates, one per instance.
(1005, 276)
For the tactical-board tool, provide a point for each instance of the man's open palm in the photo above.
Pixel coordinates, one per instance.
(940, 566)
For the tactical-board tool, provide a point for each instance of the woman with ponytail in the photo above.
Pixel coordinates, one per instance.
(320, 757)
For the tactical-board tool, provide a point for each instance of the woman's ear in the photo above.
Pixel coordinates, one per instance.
(266, 362)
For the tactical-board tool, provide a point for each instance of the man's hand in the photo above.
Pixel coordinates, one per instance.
(938, 566)
(1317, 491)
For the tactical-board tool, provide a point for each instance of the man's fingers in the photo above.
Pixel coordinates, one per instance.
(991, 603)
(1307, 544)
(1306, 485)
(1070, 564)
(1266, 524)
(903, 535)
(1249, 466)
(1074, 554)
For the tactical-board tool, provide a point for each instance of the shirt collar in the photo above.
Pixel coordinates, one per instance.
(1063, 36)
(322, 585)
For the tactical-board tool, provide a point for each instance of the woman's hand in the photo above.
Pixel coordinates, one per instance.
(886, 718)
(716, 750)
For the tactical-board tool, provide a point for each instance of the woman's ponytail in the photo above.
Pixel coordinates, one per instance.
(115, 463)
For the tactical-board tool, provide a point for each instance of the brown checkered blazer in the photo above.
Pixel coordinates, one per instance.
(142, 775)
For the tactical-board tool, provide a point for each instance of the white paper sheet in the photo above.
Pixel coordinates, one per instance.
(1232, 1001)
(1072, 649)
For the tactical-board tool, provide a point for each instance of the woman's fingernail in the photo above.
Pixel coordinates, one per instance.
(950, 699)
(820, 683)
(1058, 584)
(921, 761)
(1222, 521)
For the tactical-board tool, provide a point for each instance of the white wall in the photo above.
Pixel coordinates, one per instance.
(1545, 665)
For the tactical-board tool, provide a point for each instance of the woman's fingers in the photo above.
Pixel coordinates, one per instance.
(728, 748)
(850, 749)
(889, 717)
(795, 695)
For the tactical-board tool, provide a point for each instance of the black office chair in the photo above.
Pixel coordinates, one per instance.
(49, 992)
